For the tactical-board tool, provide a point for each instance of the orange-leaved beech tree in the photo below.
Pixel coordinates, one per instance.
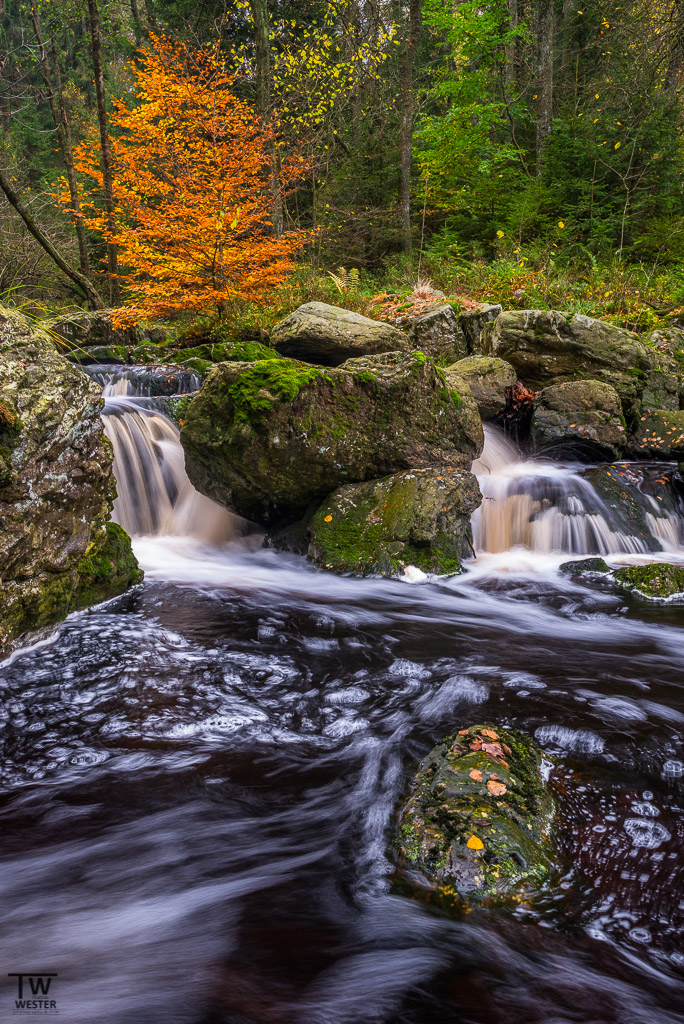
(192, 189)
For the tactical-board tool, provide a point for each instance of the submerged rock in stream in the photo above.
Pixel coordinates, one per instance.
(57, 550)
(476, 826)
(658, 581)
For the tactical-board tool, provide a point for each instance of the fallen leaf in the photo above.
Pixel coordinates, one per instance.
(328, 519)
(476, 745)
(462, 732)
(493, 748)
(475, 774)
(496, 777)
(490, 733)
(475, 844)
(496, 788)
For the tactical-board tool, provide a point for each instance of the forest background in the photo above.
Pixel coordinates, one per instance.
(529, 152)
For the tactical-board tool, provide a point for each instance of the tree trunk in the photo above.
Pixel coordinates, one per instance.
(545, 27)
(675, 64)
(511, 71)
(406, 110)
(61, 121)
(81, 282)
(96, 49)
(259, 10)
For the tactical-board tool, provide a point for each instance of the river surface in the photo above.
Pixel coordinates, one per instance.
(199, 780)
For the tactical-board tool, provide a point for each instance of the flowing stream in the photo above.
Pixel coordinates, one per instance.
(199, 779)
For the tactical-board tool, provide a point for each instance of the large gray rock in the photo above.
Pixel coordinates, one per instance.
(489, 379)
(269, 438)
(57, 550)
(419, 518)
(583, 414)
(474, 322)
(549, 348)
(438, 334)
(328, 335)
(660, 434)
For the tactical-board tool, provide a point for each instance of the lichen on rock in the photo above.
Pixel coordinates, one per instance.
(476, 826)
(56, 487)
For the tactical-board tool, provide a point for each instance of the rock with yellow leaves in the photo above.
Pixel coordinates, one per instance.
(477, 823)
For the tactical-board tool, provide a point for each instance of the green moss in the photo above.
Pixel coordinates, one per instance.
(266, 382)
(659, 581)
(419, 358)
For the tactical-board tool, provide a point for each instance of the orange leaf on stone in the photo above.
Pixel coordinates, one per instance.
(493, 748)
(475, 844)
(475, 774)
(490, 734)
(496, 788)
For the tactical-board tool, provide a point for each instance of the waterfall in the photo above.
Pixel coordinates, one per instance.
(155, 496)
(555, 509)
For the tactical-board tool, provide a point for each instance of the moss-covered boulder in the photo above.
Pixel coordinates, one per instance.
(586, 567)
(473, 324)
(476, 826)
(548, 347)
(660, 390)
(580, 415)
(659, 581)
(329, 335)
(489, 379)
(438, 333)
(57, 551)
(380, 527)
(268, 439)
(660, 434)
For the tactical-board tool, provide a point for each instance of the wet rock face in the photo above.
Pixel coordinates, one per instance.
(419, 518)
(328, 335)
(489, 379)
(267, 439)
(56, 486)
(660, 434)
(584, 414)
(476, 825)
(656, 582)
(549, 348)
(473, 325)
(586, 567)
(438, 334)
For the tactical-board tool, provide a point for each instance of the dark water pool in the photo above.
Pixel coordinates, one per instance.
(198, 782)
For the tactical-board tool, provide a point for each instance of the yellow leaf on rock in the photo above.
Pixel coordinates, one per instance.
(328, 519)
(475, 844)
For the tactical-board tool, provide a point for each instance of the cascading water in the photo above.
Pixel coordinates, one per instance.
(155, 496)
(552, 508)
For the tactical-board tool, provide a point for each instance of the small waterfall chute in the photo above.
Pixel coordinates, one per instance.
(553, 508)
(154, 495)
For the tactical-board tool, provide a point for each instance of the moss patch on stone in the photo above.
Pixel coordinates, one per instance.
(659, 581)
(419, 518)
(586, 567)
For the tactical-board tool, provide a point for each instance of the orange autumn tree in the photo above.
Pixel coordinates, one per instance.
(191, 190)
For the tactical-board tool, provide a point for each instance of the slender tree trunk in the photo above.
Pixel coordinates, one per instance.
(61, 121)
(81, 282)
(96, 48)
(406, 107)
(68, 151)
(262, 53)
(511, 71)
(545, 26)
(675, 64)
(137, 28)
